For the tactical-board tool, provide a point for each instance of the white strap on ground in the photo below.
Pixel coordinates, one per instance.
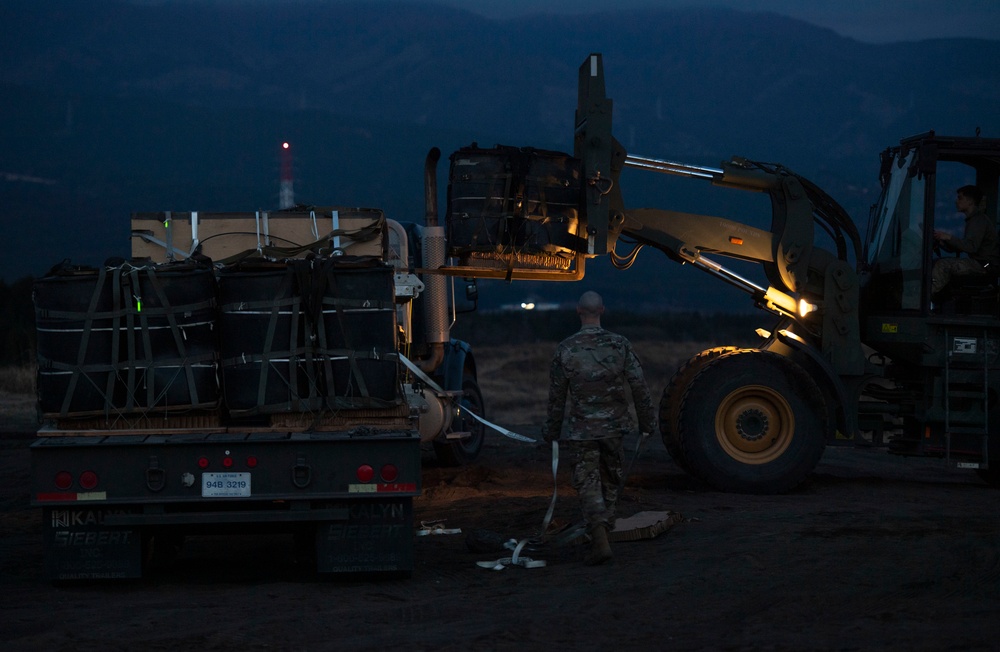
(514, 560)
(436, 527)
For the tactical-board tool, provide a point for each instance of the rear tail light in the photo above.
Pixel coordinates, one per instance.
(366, 473)
(390, 473)
(88, 480)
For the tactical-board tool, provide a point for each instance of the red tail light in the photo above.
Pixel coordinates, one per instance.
(366, 473)
(88, 480)
(64, 480)
(390, 473)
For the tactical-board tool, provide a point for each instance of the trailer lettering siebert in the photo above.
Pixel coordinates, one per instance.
(343, 531)
(69, 538)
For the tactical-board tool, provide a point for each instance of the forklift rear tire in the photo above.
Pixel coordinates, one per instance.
(750, 422)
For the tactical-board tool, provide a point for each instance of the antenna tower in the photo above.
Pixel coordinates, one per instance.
(286, 194)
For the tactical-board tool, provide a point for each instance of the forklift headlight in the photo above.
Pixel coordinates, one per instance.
(805, 307)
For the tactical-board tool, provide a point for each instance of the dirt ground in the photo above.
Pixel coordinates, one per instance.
(872, 552)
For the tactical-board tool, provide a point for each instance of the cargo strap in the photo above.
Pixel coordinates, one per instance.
(430, 383)
(284, 290)
(267, 250)
(84, 339)
(169, 312)
(517, 546)
(436, 527)
(567, 535)
(168, 246)
(316, 346)
(318, 299)
(579, 528)
(514, 560)
(289, 352)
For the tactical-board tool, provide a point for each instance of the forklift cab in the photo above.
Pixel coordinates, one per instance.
(919, 178)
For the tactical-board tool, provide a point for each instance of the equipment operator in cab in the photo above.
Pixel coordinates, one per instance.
(979, 242)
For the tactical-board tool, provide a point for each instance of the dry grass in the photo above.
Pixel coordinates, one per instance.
(515, 379)
(18, 380)
(17, 399)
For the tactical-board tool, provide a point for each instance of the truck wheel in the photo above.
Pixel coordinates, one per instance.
(457, 452)
(671, 402)
(750, 422)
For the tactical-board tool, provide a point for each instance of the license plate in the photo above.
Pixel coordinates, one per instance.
(225, 485)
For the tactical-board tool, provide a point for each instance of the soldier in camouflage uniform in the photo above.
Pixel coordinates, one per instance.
(592, 368)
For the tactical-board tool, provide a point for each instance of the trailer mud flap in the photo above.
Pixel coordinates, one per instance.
(375, 538)
(79, 546)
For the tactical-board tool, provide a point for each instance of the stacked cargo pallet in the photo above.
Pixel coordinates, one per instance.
(187, 343)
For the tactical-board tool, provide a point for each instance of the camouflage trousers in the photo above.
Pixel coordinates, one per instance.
(947, 268)
(597, 476)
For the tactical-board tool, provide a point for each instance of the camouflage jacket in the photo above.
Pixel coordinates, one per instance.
(979, 241)
(592, 368)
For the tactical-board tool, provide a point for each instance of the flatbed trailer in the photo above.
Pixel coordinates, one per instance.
(114, 501)
(217, 383)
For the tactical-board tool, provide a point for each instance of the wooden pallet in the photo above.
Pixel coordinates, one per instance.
(384, 418)
(395, 418)
(132, 424)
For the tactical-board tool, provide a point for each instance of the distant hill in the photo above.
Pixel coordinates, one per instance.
(110, 107)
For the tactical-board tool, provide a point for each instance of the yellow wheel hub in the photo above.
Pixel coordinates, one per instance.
(754, 424)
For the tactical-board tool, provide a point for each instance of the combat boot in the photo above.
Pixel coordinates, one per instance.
(600, 547)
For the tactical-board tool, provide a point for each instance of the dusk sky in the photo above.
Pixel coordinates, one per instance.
(873, 21)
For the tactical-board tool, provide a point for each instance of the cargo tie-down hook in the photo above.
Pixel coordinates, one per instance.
(603, 185)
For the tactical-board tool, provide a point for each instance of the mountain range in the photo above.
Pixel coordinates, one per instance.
(113, 107)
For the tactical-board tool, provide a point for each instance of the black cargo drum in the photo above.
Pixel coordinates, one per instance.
(126, 339)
